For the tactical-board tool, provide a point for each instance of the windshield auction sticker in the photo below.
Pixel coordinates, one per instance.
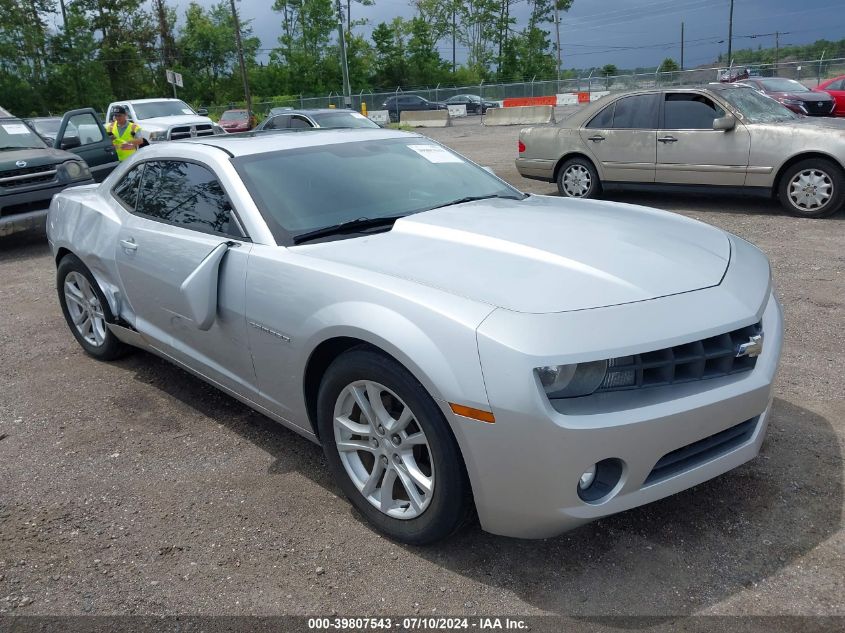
(15, 128)
(435, 154)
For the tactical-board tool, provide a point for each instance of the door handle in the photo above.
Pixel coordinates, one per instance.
(668, 139)
(596, 138)
(129, 245)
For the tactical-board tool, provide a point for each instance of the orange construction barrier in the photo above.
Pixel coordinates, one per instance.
(530, 101)
(583, 97)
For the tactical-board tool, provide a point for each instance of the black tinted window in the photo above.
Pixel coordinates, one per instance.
(127, 189)
(298, 123)
(690, 112)
(638, 113)
(277, 123)
(185, 194)
(603, 119)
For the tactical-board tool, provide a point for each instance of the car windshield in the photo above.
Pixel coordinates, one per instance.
(46, 127)
(783, 85)
(305, 189)
(154, 109)
(342, 119)
(16, 134)
(234, 115)
(756, 108)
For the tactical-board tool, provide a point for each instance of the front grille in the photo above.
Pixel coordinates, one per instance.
(191, 131)
(707, 358)
(692, 455)
(26, 176)
(814, 109)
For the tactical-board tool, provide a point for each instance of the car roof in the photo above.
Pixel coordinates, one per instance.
(259, 143)
(145, 100)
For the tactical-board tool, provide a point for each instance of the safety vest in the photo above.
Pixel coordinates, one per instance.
(127, 136)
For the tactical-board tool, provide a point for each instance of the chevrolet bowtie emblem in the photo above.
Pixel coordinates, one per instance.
(754, 347)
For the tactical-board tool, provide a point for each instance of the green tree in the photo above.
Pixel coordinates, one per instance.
(669, 65)
(424, 62)
(609, 70)
(390, 63)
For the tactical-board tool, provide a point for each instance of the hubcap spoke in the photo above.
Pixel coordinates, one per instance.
(386, 494)
(355, 445)
(411, 490)
(372, 481)
(395, 426)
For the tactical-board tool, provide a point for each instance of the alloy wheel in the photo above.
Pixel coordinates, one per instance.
(384, 449)
(85, 309)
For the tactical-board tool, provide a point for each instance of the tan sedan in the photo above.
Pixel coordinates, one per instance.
(721, 136)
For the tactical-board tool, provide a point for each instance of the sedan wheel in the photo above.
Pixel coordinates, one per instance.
(812, 188)
(577, 178)
(383, 449)
(390, 448)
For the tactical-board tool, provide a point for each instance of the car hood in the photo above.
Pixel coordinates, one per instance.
(820, 123)
(166, 122)
(802, 96)
(543, 254)
(34, 157)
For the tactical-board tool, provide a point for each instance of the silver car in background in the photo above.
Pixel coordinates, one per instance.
(456, 346)
(725, 137)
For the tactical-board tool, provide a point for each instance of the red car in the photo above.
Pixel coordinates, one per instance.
(794, 95)
(237, 121)
(835, 88)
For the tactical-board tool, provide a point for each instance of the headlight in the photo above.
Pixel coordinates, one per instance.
(76, 170)
(158, 136)
(795, 102)
(570, 381)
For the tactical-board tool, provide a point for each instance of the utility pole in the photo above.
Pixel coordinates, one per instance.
(247, 98)
(557, 29)
(682, 45)
(454, 28)
(777, 50)
(730, 36)
(347, 91)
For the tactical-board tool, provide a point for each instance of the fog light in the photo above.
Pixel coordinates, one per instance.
(587, 478)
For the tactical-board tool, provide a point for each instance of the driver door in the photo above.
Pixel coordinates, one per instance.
(82, 133)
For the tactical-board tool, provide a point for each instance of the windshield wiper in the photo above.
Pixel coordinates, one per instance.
(474, 198)
(350, 226)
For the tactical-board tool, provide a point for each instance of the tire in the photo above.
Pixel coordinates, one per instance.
(812, 188)
(378, 475)
(577, 178)
(86, 310)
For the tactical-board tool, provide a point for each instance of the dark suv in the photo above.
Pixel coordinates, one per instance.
(31, 171)
(395, 106)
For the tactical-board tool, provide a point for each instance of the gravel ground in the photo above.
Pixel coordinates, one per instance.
(133, 487)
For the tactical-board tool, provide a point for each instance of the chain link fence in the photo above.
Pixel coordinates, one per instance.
(810, 73)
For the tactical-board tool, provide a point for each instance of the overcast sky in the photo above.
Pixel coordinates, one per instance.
(627, 33)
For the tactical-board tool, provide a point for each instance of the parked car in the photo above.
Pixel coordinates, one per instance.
(835, 88)
(395, 106)
(237, 121)
(473, 103)
(315, 118)
(48, 128)
(794, 95)
(165, 119)
(722, 135)
(31, 172)
(450, 341)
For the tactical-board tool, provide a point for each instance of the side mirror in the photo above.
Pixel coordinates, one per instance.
(202, 112)
(725, 123)
(70, 142)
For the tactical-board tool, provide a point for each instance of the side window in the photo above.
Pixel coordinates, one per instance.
(299, 123)
(636, 113)
(603, 120)
(127, 189)
(685, 111)
(87, 128)
(185, 194)
(837, 85)
(278, 123)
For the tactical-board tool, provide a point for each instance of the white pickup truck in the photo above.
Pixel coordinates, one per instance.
(166, 119)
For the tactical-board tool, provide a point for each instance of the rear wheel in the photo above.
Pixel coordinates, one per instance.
(390, 448)
(86, 310)
(812, 188)
(577, 178)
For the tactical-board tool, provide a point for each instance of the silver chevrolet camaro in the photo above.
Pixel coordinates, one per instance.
(456, 346)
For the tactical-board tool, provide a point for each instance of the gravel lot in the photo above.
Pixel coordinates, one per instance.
(135, 488)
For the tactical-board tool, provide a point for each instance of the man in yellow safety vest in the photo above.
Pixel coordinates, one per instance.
(125, 135)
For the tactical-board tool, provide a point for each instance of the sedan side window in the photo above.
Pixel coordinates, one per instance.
(603, 120)
(187, 195)
(299, 123)
(636, 113)
(126, 191)
(686, 111)
(837, 85)
(278, 123)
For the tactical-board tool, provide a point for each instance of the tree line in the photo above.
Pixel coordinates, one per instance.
(57, 54)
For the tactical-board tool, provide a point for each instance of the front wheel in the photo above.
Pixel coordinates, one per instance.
(577, 178)
(390, 448)
(812, 188)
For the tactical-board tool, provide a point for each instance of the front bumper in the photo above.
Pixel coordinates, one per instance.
(525, 467)
(27, 210)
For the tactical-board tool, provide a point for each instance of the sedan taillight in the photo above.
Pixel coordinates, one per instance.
(521, 147)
